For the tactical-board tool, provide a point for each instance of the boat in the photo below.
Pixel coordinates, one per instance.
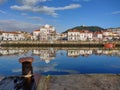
(109, 45)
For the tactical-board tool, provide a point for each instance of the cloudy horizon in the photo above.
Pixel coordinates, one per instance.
(28, 15)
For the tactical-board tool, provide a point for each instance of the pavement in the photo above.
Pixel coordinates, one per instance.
(85, 82)
(70, 82)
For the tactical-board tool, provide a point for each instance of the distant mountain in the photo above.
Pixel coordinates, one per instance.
(90, 28)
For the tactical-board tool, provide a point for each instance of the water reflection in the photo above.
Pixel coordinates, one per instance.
(45, 54)
(48, 54)
(12, 51)
(26, 81)
(60, 60)
(87, 52)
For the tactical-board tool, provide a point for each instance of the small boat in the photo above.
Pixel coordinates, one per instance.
(109, 45)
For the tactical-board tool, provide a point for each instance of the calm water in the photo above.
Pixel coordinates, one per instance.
(59, 61)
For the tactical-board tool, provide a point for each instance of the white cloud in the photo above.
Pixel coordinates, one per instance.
(12, 25)
(2, 1)
(71, 6)
(35, 18)
(32, 2)
(31, 17)
(1, 11)
(44, 9)
(24, 14)
(116, 12)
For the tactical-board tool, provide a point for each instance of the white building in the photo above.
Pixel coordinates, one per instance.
(115, 30)
(45, 33)
(76, 35)
(36, 34)
(73, 35)
(86, 35)
(12, 36)
(98, 35)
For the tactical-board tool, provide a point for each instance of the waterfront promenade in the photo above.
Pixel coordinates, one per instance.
(56, 43)
(71, 82)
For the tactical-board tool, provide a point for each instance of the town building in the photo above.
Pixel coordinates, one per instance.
(45, 33)
(109, 35)
(82, 35)
(98, 35)
(116, 30)
(36, 34)
(73, 35)
(11, 36)
(63, 36)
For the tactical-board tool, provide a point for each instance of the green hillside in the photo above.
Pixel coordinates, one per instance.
(90, 28)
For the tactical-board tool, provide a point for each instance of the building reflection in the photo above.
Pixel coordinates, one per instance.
(76, 53)
(48, 54)
(45, 54)
(26, 81)
(7, 52)
(88, 52)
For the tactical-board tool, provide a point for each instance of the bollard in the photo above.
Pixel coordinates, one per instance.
(27, 80)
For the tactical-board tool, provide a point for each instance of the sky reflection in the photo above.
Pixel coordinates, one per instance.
(59, 61)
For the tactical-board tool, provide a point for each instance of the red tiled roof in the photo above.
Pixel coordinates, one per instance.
(11, 32)
(85, 31)
(98, 32)
(37, 30)
(74, 30)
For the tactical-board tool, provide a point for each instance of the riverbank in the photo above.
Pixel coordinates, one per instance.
(71, 82)
(57, 43)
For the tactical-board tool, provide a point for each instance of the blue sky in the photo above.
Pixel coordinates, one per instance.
(28, 15)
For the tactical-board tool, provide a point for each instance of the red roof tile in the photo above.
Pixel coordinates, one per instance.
(37, 30)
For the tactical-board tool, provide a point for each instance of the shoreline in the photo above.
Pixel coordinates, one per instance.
(56, 44)
(72, 82)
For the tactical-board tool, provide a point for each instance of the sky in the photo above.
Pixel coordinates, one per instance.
(29, 15)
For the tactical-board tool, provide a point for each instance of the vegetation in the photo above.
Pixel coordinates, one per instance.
(90, 28)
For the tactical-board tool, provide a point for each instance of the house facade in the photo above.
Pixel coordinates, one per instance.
(12, 36)
(45, 33)
(36, 34)
(73, 35)
(83, 35)
(98, 35)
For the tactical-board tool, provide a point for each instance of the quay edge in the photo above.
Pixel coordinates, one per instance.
(57, 43)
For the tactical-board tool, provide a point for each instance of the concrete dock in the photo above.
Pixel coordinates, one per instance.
(56, 43)
(71, 82)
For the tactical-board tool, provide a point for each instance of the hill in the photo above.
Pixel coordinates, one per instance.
(90, 28)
